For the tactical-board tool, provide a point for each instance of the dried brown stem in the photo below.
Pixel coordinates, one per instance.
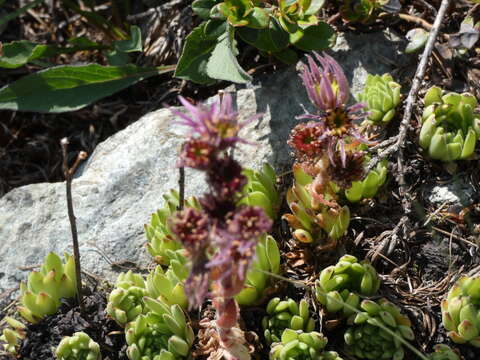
(181, 187)
(68, 173)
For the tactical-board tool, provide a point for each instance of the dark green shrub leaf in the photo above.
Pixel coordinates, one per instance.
(68, 88)
(258, 18)
(223, 64)
(131, 45)
(19, 53)
(288, 56)
(314, 38)
(192, 64)
(202, 8)
(271, 39)
(314, 7)
(215, 28)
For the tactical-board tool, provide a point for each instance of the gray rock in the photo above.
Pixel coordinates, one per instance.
(457, 194)
(122, 183)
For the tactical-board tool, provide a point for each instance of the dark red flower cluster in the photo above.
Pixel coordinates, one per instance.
(221, 237)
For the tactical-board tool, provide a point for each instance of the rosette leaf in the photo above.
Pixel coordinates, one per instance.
(368, 187)
(295, 15)
(261, 190)
(161, 241)
(450, 126)
(168, 286)
(381, 95)
(125, 302)
(161, 334)
(461, 311)
(12, 335)
(309, 220)
(44, 289)
(299, 345)
(443, 352)
(286, 314)
(374, 332)
(344, 283)
(79, 346)
(267, 260)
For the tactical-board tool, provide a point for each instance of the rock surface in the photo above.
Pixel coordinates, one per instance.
(124, 179)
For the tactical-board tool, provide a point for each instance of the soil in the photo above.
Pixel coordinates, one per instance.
(417, 267)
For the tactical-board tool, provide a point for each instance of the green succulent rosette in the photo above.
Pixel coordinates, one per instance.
(344, 283)
(79, 346)
(286, 314)
(125, 302)
(443, 352)
(261, 190)
(375, 331)
(266, 262)
(161, 242)
(309, 220)
(381, 96)
(450, 125)
(161, 334)
(13, 335)
(461, 311)
(168, 286)
(368, 187)
(41, 295)
(299, 345)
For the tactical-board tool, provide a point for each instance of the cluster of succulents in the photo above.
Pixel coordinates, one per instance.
(261, 190)
(161, 334)
(168, 286)
(286, 314)
(79, 346)
(368, 187)
(309, 219)
(381, 96)
(461, 311)
(125, 302)
(340, 286)
(12, 335)
(161, 243)
(301, 345)
(450, 126)
(374, 332)
(266, 262)
(41, 295)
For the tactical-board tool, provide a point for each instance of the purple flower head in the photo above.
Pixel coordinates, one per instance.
(197, 154)
(326, 85)
(192, 229)
(226, 179)
(249, 222)
(216, 124)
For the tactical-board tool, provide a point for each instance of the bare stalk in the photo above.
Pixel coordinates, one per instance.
(68, 173)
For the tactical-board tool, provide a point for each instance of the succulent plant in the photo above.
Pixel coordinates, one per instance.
(461, 311)
(161, 334)
(308, 219)
(159, 236)
(381, 95)
(299, 345)
(344, 283)
(267, 260)
(168, 286)
(376, 331)
(261, 190)
(361, 11)
(44, 289)
(443, 352)
(125, 302)
(12, 335)
(451, 127)
(368, 187)
(286, 314)
(79, 346)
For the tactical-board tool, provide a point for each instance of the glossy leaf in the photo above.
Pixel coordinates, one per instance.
(68, 88)
(314, 38)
